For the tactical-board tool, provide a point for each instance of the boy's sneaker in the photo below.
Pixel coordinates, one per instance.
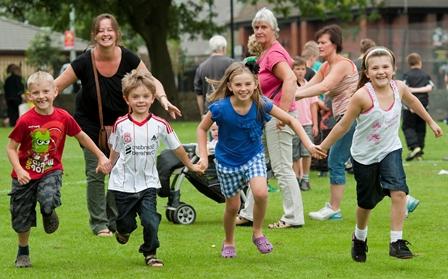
(359, 249)
(51, 222)
(399, 249)
(23, 261)
(414, 153)
(326, 213)
(411, 203)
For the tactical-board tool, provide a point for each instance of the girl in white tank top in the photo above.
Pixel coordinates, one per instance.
(376, 147)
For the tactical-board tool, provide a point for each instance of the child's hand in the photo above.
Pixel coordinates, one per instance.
(23, 176)
(315, 130)
(197, 168)
(203, 165)
(104, 165)
(436, 129)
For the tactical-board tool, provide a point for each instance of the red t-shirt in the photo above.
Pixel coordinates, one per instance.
(41, 139)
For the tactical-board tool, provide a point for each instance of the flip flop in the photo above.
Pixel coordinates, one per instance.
(282, 225)
(122, 238)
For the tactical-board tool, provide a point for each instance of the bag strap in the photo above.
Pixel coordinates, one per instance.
(98, 92)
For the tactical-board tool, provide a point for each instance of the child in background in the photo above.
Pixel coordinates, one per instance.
(134, 179)
(307, 115)
(376, 148)
(35, 152)
(214, 136)
(414, 127)
(240, 111)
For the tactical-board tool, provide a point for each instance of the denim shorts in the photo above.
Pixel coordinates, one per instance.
(234, 179)
(375, 181)
(339, 154)
(24, 198)
(298, 149)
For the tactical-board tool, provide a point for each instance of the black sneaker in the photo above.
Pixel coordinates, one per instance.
(399, 249)
(51, 222)
(359, 250)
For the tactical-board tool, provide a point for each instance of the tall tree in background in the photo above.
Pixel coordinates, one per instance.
(157, 20)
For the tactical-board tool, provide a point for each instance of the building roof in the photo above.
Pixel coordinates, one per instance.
(18, 35)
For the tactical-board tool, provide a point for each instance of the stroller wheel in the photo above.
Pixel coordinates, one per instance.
(184, 214)
(169, 214)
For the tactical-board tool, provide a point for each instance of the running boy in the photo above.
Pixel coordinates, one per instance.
(376, 148)
(134, 179)
(307, 115)
(414, 127)
(240, 110)
(35, 150)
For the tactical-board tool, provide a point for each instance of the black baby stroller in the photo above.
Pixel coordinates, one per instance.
(167, 164)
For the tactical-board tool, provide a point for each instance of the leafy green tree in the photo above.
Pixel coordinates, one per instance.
(156, 21)
(42, 54)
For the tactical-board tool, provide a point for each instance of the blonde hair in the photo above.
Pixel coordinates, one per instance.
(135, 79)
(40, 76)
(253, 47)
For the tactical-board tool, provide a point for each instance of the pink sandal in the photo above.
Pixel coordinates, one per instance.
(263, 244)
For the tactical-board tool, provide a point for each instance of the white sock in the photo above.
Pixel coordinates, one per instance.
(360, 234)
(395, 235)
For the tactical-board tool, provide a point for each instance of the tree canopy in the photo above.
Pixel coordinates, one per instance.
(156, 21)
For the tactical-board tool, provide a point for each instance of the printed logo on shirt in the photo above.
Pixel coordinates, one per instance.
(154, 138)
(39, 160)
(128, 149)
(127, 137)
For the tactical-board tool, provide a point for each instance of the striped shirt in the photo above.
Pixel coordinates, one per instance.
(340, 95)
(137, 144)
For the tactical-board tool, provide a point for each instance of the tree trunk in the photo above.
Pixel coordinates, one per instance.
(150, 19)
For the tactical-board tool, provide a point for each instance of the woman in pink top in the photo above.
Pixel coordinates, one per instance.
(277, 82)
(337, 78)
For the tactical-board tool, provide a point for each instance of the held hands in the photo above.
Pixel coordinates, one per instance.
(203, 164)
(104, 166)
(23, 176)
(197, 168)
(318, 152)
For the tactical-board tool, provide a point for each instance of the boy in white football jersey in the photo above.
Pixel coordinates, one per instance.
(134, 179)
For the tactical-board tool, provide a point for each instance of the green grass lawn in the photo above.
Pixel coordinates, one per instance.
(318, 250)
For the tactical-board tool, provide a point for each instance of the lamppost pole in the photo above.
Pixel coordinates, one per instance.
(232, 43)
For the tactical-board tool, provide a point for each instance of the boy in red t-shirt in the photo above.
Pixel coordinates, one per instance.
(35, 151)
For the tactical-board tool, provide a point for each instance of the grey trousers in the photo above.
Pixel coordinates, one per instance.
(101, 207)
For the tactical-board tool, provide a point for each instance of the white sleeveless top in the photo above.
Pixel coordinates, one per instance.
(376, 133)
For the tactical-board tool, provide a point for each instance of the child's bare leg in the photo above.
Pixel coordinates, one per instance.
(23, 238)
(362, 217)
(398, 210)
(230, 213)
(260, 192)
(306, 165)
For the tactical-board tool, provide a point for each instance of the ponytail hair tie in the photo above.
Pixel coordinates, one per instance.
(251, 63)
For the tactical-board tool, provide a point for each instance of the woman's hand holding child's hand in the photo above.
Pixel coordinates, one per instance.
(318, 152)
(104, 165)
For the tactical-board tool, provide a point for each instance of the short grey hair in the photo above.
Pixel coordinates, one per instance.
(266, 15)
(217, 43)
